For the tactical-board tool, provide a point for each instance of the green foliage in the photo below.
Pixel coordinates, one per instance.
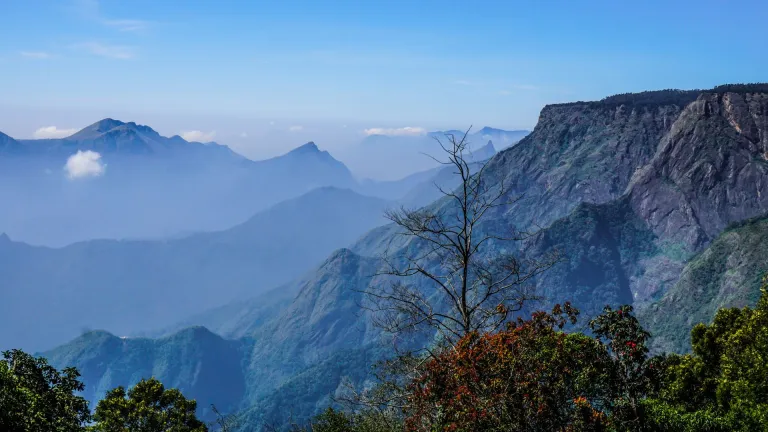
(147, 407)
(726, 274)
(337, 421)
(723, 384)
(34, 396)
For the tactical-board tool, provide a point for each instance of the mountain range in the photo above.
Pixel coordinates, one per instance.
(138, 184)
(108, 283)
(391, 157)
(122, 180)
(654, 199)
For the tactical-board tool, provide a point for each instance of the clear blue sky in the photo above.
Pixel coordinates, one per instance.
(232, 65)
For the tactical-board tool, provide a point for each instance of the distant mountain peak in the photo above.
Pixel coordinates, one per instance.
(96, 129)
(8, 144)
(308, 148)
(4, 238)
(488, 130)
(108, 125)
(488, 147)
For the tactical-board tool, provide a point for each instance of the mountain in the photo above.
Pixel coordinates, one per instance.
(501, 138)
(144, 185)
(199, 363)
(117, 138)
(725, 274)
(421, 188)
(483, 153)
(106, 284)
(388, 158)
(396, 189)
(9, 145)
(637, 191)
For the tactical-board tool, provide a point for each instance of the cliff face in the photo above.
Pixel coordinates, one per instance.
(581, 152)
(710, 169)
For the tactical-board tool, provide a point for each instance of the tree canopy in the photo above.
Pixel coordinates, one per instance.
(147, 407)
(34, 396)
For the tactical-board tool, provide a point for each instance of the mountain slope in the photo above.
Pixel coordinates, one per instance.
(728, 273)
(107, 284)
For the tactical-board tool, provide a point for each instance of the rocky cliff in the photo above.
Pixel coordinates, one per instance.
(709, 171)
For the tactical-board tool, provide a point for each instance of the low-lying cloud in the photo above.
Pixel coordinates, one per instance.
(84, 164)
(295, 128)
(404, 131)
(52, 132)
(198, 136)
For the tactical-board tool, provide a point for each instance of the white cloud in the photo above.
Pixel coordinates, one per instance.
(295, 128)
(126, 25)
(91, 10)
(39, 55)
(404, 131)
(198, 136)
(110, 51)
(52, 132)
(84, 164)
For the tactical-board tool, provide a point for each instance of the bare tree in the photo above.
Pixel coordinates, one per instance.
(472, 285)
(224, 423)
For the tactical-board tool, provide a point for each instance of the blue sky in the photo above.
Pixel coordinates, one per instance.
(247, 72)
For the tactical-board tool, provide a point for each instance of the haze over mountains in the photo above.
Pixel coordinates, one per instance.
(122, 180)
(152, 202)
(145, 185)
(393, 154)
(646, 195)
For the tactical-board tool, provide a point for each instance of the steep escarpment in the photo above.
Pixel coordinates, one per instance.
(604, 247)
(580, 152)
(708, 172)
(710, 169)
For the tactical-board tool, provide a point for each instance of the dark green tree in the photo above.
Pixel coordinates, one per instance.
(147, 407)
(34, 396)
(723, 384)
